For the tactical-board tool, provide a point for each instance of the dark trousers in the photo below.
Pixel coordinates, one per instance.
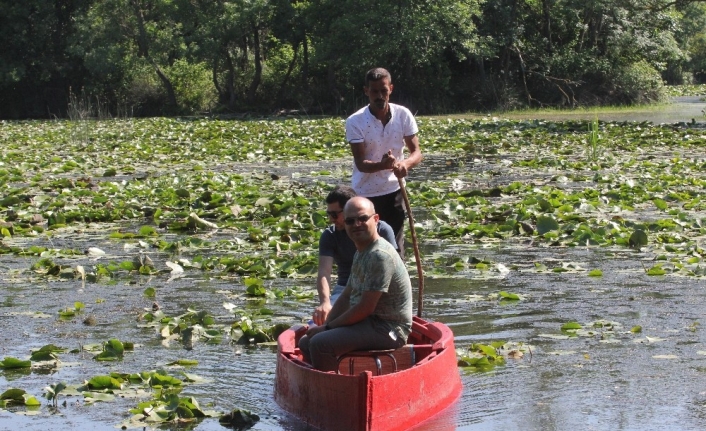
(323, 349)
(390, 208)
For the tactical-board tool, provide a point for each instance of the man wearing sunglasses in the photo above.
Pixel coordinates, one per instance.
(375, 309)
(336, 246)
(378, 134)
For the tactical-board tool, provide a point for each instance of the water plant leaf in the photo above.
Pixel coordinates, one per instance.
(52, 392)
(150, 292)
(115, 345)
(184, 362)
(546, 224)
(10, 363)
(104, 382)
(239, 419)
(95, 252)
(31, 401)
(43, 356)
(14, 396)
(638, 239)
(595, 273)
(175, 267)
(656, 270)
(147, 231)
(571, 326)
(92, 397)
(509, 296)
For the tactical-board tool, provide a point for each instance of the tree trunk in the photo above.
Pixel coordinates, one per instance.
(280, 92)
(546, 7)
(305, 64)
(142, 45)
(252, 91)
(214, 78)
(171, 96)
(331, 78)
(230, 80)
(143, 51)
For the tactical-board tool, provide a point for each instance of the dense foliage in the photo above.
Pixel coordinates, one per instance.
(94, 58)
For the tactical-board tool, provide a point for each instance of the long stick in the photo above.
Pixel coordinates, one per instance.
(420, 303)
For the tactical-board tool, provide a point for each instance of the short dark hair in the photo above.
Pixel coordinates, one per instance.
(340, 194)
(377, 74)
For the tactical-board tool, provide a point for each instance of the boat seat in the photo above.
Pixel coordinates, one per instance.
(374, 354)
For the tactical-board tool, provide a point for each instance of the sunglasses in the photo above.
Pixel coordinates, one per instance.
(333, 214)
(350, 221)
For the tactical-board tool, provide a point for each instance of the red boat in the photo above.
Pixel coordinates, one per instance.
(372, 391)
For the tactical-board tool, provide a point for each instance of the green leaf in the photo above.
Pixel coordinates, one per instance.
(656, 270)
(52, 391)
(148, 231)
(150, 292)
(595, 273)
(571, 326)
(636, 329)
(43, 355)
(13, 363)
(659, 203)
(510, 296)
(546, 224)
(184, 362)
(13, 394)
(104, 382)
(638, 239)
(31, 401)
(115, 345)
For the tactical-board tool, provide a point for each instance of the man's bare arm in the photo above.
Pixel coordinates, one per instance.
(403, 167)
(323, 286)
(370, 166)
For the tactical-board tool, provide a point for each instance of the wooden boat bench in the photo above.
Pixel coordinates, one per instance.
(374, 354)
(395, 360)
(419, 349)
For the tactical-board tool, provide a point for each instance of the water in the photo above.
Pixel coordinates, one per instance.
(616, 380)
(575, 383)
(684, 109)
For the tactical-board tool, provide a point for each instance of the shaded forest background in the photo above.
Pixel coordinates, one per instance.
(101, 58)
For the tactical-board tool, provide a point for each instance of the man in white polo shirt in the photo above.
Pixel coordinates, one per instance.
(378, 134)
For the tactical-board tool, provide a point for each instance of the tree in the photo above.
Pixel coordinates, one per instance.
(36, 69)
(416, 40)
(123, 42)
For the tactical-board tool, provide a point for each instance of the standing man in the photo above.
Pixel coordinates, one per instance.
(378, 134)
(336, 246)
(375, 309)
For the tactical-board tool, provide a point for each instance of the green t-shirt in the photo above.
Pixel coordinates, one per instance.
(379, 268)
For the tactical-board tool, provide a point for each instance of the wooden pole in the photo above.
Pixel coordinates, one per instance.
(420, 303)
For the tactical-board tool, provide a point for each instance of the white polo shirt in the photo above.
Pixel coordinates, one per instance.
(362, 128)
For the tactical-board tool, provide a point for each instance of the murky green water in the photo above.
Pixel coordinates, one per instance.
(611, 379)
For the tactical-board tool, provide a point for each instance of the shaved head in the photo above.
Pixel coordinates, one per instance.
(359, 203)
(361, 221)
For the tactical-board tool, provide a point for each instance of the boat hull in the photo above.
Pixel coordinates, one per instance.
(366, 402)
